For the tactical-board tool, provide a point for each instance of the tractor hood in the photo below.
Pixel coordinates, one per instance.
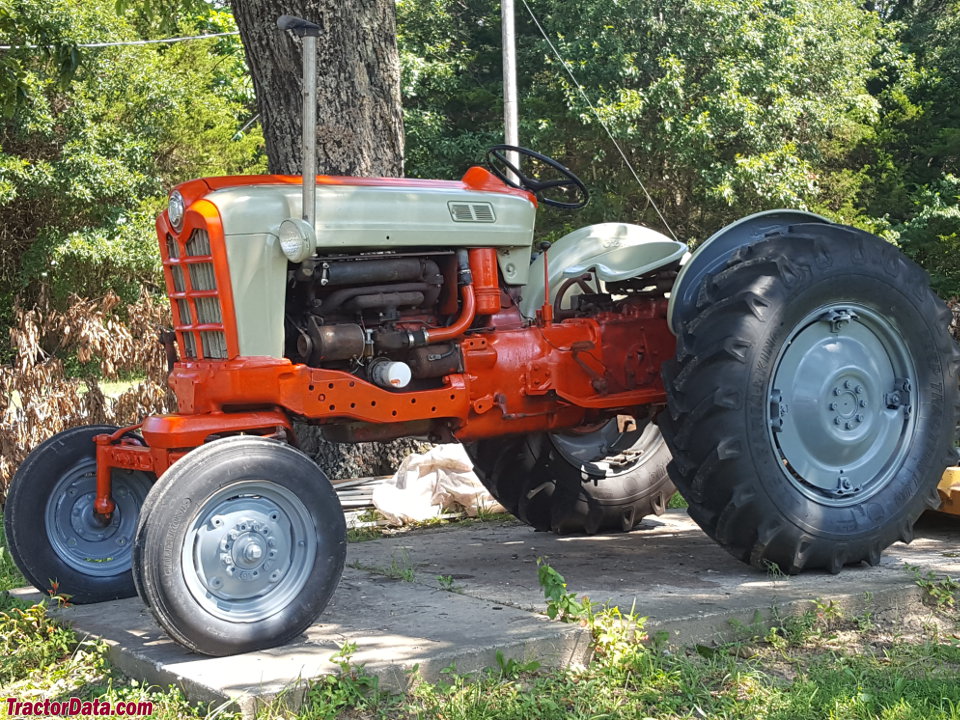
(367, 213)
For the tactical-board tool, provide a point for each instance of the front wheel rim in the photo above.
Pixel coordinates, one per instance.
(840, 404)
(74, 532)
(249, 551)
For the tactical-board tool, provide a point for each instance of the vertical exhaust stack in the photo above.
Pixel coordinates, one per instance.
(298, 238)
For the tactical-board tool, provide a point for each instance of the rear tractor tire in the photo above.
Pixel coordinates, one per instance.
(813, 401)
(240, 546)
(571, 482)
(53, 535)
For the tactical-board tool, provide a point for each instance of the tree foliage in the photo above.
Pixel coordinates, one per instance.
(86, 161)
(726, 107)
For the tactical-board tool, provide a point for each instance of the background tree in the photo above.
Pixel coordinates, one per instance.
(88, 156)
(725, 108)
(359, 120)
(850, 109)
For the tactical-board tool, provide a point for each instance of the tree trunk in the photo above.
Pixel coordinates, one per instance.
(359, 117)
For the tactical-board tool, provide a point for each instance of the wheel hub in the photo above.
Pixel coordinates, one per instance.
(830, 410)
(85, 524)
(239, 552)
(247, 553)
(847, 403)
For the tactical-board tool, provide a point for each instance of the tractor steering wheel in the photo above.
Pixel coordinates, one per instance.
(566, 191)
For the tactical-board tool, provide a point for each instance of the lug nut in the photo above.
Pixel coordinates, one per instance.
(833, 406)
(836, 421)
(858, 418)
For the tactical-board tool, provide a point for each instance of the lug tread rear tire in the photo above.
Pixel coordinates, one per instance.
(709, 390)
(530, 478)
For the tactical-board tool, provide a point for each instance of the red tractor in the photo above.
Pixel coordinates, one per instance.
(794, 378)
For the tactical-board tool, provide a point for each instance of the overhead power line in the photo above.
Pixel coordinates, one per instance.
(600, 120)
(120, 43)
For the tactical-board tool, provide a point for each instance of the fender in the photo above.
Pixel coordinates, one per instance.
(615, 251)
(713, 254)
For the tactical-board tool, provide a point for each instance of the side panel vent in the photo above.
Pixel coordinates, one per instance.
(471, 212)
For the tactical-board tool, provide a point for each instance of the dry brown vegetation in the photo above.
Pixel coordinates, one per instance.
(107, 341)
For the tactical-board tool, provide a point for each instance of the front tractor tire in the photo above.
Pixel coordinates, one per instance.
(572, 482)
(240, 546)
(54, 537)
(813, 401)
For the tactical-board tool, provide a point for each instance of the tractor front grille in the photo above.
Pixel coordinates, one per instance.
(192, 286)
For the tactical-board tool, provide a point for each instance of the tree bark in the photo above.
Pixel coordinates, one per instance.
(359, 117)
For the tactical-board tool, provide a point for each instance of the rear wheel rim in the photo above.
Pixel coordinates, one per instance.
(841, 396)
(608, 452)
(249, 551)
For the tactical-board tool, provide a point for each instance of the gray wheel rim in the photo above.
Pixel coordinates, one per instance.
(75, 534)
(608, 452)
(841, 399)
(249, 551)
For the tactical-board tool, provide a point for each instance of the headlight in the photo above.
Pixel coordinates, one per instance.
(297, 239)
(175, 210)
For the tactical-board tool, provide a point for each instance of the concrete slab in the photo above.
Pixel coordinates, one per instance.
(667, 569)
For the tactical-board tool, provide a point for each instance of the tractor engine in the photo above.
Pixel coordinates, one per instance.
(367, 314)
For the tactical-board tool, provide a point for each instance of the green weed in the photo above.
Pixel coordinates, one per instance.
(512, 669)
(939, 590)
(447, 582)
(400, 567)
(561, 604)
(351, 687)
(10, 576)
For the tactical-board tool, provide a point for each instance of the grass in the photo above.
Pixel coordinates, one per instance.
(400, 567)
(10, 576)
(817, 665)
